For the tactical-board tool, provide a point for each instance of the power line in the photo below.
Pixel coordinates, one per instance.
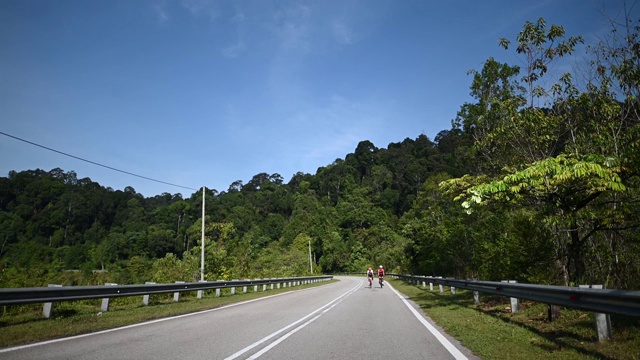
(95, 163)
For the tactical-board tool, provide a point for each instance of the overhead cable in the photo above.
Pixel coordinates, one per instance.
(95, 163)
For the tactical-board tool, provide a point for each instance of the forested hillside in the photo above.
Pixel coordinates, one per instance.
(537, 180)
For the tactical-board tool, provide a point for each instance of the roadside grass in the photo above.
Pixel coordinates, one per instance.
(491, 331)
(25, 324)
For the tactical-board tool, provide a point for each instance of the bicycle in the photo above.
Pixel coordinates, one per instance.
(381, 281)
(370, 281)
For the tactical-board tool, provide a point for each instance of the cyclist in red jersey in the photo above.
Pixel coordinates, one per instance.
(381, 275)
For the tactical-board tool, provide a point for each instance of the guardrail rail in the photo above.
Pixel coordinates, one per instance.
(600, 301)
(57, 293)
(606, 301)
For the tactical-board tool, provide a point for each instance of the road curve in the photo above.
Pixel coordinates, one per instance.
(341, 320)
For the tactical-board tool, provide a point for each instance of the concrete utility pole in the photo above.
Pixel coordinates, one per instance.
(202, 242)
(310, 262)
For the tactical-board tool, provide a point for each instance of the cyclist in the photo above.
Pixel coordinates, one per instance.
(370, 276)
(381, 275)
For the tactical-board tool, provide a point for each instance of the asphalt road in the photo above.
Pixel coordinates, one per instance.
(341, 320)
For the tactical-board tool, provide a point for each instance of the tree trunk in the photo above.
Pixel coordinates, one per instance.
(576, 255)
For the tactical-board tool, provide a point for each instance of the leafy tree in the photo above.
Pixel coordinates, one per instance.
(540, 46)
(557, 174)
(335, 180)
(170, 269)
(363, 159)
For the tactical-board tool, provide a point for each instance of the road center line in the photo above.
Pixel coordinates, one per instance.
(329, 304)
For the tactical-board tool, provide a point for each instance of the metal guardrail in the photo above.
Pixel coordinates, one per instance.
(605, 301)
(17, 296)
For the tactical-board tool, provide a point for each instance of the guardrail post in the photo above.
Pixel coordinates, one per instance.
(453, 290)
(255, 288)
(476, 296)
(603, 321)
(431, 285)
(264, 287)
(145, 298)
(440, 285)
(218, 292)
(272, 286)
(278, 285)
(105, 301)
(244, 289)
(515, 302)
(200, 292)
(47, 309)
(176, 295)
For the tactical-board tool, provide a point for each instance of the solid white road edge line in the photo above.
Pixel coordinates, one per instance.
(145, 323)
(256, 355)
(443, 340)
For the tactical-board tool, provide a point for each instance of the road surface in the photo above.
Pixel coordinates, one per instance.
(340, 320)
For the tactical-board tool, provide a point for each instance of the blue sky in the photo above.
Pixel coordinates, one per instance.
(196, 92)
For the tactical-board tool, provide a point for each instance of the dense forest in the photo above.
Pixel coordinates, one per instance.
(537, 180)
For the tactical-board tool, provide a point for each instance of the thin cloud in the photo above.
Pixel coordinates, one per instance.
(161, 11)
(233, 51)
(338, 126)
(292, 27)
(239, 18)
(342, 33)
(205, 8)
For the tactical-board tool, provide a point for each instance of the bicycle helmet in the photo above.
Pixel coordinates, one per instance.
(380, 266)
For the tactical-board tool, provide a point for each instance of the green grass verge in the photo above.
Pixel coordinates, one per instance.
(491, 331)
(25, 324)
